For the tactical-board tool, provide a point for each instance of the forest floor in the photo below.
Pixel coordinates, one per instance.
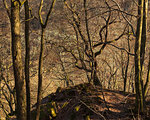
(87, 102)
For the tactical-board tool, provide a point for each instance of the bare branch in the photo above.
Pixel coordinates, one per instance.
(7, 9)
(40, 10)
(92, 109)
(125, 17)
(122, 49)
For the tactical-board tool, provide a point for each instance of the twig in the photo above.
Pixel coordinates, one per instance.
(124, 98)
(92, 109)
(122, 49)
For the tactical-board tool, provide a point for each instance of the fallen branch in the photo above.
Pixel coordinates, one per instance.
(92, 109)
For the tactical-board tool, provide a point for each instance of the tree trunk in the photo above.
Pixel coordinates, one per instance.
(145, 11)
(138, 66)
(144, 32)
(27, 58)
(40, 72)
(127, 64)
(95, 78)
(147, 79)
(39, 97)
(17, 60)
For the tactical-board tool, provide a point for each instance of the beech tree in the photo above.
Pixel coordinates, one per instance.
(140, 46)
(14, 17)
(17, 59)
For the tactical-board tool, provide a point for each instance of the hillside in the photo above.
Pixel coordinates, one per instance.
(87, 102)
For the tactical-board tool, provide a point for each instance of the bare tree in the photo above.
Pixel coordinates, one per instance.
(43, 26)
(87, 47)
(17, 60)
(140, 45)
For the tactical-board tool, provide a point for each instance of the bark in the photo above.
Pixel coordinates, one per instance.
(39, 97)
(0, 78)
(140, 47)
(144, 32)
(138, 66)
(17, 60)
(125, 74)
(145, 11)
(147, 80)
(127, 65)
(95, 78)
(27, 59)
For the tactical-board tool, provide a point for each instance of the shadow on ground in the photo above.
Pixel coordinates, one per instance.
(87, 102)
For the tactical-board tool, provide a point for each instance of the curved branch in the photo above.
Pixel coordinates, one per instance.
(7, 9)
(122, 49)
(125, 17)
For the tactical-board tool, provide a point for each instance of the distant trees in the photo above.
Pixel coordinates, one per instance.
(90, 32)
(89, 44)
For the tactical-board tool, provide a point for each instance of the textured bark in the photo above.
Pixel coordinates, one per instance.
(144, 44)
(0, 78)
(140, 47)
(27, 59)
(144, 32)
(148, 78)
(17, 60)
(138, 65)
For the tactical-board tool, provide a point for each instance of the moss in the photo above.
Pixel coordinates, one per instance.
(87, 117)
(52, 108)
